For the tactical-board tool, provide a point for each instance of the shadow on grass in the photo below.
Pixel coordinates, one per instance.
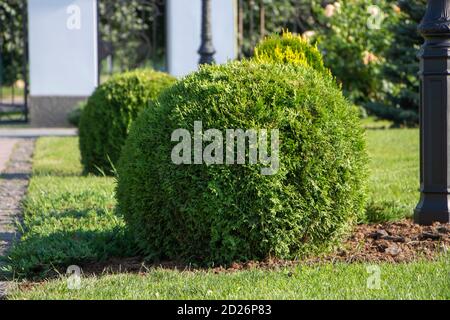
(93, 240)
(49, 252)
(64, 173)
(57, 173)
(73, 214)
(14, 176)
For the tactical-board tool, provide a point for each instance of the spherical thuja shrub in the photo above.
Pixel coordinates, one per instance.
(107, 117)
(290, 48)
(219, 213)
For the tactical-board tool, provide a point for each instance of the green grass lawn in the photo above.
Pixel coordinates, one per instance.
(69, 219)
(394, 176)
(421, 280)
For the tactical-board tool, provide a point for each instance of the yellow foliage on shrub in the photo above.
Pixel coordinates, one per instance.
(292, 49)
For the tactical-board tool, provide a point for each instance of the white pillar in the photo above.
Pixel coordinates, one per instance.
(63, 47)
(63, 57)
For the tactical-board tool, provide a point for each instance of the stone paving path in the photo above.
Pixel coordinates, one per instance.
(14, 178)
(6, 148)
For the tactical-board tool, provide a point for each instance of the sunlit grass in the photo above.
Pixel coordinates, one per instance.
(70, 219)
(394, 173)
(420, 280)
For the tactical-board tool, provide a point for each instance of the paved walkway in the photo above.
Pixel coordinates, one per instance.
(16, 149)
(15, 170)
(6, 147)
(37, 132)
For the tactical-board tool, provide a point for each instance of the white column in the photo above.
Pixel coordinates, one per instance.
(63, 47)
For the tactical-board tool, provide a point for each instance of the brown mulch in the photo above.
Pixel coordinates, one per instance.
(395, 242)
(400, 241)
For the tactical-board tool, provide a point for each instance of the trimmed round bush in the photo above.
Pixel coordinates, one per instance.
(290, 48)
(109, 112)
(75, 114)
(219, 213)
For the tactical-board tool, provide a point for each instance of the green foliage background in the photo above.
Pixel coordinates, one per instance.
(401, 68)
(386, 87)
(127, 29)
(11, 41)
(347, 40)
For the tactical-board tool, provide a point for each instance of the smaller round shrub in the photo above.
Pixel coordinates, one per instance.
(109, 113)
(74, 115)
(290, 48)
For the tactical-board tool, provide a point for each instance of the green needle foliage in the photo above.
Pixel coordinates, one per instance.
(224, 213)
(109, 112)
(290, 48)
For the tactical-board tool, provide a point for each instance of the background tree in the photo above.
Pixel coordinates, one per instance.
(11, 41)
(401, 67)
(131, 33)
(263, 17)
(354, 40)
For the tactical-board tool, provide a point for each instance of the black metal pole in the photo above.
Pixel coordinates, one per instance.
(434, 204)
(1, 69)
(206, 50)
(25, 58)
(241, 29)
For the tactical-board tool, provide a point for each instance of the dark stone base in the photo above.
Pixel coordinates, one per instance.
(432, 207)
(51, 111)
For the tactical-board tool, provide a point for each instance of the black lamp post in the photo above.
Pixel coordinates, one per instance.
(206, 50)
(434, 56)
(1, 67)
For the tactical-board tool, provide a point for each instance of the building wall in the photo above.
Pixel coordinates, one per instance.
(63, 47)
(63, 57)
(51, 111)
